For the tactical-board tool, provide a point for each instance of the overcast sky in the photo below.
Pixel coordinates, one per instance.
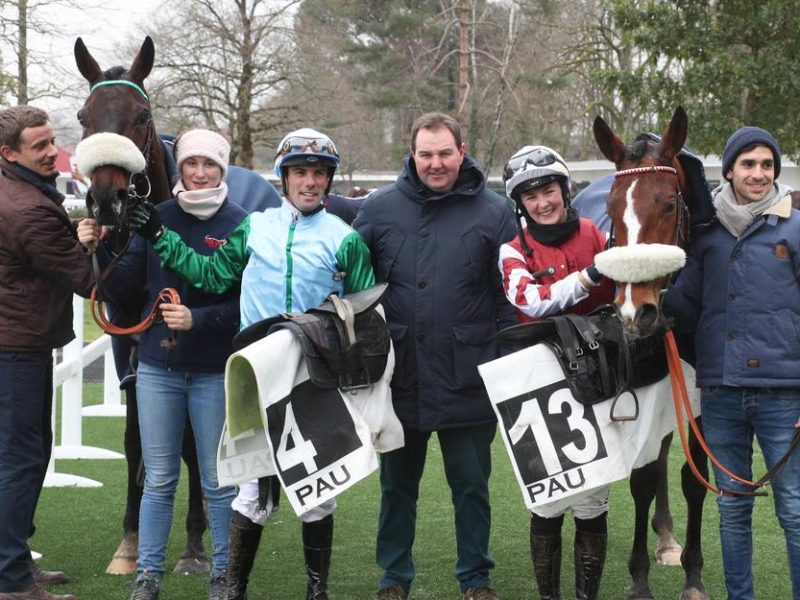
(102, 24)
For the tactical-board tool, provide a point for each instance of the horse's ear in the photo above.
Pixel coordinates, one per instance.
(87, 65)
(610, 145)
(143, 63)
(675, 134)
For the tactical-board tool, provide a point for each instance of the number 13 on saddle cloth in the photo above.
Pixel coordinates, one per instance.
(561, 449)
(319, 441)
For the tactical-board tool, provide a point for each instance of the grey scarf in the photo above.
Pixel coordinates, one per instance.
(737, 217)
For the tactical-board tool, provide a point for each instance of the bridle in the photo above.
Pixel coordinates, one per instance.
(681, 224)
(166, 295)
(134, 196)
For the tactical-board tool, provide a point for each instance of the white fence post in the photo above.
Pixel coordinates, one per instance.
(112, 405)
(68, 373)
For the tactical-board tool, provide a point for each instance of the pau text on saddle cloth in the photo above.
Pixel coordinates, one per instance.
(560, 449)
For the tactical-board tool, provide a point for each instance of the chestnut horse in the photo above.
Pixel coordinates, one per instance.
(651, 207)
(118, 104)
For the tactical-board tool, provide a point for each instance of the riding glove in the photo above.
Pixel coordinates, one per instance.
(146, 220)
(593, 274)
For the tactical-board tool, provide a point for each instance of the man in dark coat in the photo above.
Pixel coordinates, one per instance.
(41, 267)
(434, 237)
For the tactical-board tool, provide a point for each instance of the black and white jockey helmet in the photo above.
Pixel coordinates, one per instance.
(306, 147)
(532, 167)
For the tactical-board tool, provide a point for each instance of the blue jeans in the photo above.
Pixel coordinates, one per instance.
(467, 465)
(165, 398)
(731, 417)
(26, 437)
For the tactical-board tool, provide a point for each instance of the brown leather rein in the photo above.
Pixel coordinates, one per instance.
(96, 303)
(165, 296)
(682, 402)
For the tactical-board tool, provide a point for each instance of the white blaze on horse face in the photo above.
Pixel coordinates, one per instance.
(628, 310)
(633, 226)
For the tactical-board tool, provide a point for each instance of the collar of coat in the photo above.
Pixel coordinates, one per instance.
(782, 208)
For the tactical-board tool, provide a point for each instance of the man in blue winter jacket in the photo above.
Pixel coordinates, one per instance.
(434, 237)
(740, 292)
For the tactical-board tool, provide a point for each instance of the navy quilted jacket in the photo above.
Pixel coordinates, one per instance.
(445, 303)
(743, 297)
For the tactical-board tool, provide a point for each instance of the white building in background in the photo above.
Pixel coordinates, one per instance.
(583, 173)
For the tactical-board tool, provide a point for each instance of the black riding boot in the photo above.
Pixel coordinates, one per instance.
(243, 542)
(546, 558)
(317, 542)
(590, 558)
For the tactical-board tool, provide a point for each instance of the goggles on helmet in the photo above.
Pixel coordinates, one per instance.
(302, 145)
(532, 166)
(539, 157)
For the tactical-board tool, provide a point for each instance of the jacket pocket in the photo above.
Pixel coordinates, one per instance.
(386, 252)
(473, 344)
(404, 362)
(479, 255)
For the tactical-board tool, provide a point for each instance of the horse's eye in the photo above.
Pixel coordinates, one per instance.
(669, 208)
(143, 117)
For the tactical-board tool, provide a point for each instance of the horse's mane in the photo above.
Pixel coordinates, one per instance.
(114, 72)
(638, 149)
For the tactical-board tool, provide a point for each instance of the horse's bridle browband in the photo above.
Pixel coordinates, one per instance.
(651, 168)
(132, 84)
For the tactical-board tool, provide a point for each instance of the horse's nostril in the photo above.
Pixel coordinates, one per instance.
(122, 195)
(646, 317)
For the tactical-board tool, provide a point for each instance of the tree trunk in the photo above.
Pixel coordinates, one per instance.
(463, 67)
(22, 52)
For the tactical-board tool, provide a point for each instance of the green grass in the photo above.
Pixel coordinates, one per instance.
(91, 331)
(78, 530)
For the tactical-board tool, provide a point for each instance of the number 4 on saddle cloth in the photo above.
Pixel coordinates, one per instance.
(308, 400)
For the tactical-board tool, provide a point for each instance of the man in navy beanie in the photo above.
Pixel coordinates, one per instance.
(748, 344)
(744, 138)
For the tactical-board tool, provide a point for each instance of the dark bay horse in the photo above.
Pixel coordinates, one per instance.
(652, 207)
(118, 104)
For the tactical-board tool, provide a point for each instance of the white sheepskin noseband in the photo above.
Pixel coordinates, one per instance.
(108, 149)
(639, 262)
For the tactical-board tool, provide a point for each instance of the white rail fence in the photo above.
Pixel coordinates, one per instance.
(68, 376)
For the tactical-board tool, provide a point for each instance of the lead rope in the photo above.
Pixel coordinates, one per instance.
(165, 296)
(681, 399)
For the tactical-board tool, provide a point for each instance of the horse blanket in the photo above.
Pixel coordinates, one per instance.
(560, 449)
(319, 442)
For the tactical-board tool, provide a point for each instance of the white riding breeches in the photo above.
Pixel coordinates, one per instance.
(246, 503)
(586, 508)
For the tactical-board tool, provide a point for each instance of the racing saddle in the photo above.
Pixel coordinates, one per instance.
(599, 358)
(345, 340)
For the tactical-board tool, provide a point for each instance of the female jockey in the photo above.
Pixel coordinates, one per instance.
(548, 270)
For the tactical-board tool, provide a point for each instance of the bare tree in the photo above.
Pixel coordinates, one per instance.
(220, 63)
(23, 22)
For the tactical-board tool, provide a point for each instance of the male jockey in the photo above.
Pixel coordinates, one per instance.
(288, 259)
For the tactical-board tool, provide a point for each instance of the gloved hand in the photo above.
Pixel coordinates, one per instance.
(146, 220)
(593, 275)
